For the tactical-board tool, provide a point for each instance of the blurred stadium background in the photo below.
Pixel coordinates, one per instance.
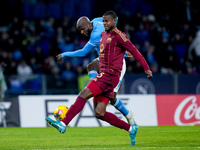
(33, 32)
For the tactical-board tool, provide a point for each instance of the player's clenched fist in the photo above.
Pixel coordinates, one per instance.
(59, 57)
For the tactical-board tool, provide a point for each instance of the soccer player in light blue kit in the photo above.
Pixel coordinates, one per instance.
(94, 29)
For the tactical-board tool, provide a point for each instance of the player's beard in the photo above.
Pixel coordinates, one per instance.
(107, 29)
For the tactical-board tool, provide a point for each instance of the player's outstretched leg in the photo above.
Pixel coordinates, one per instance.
(60, 126)
(71, 113)
(127, 113)
(132, 134)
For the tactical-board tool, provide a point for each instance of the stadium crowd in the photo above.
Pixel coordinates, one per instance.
(169, 41)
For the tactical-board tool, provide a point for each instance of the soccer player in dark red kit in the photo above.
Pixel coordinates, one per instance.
(112, 47)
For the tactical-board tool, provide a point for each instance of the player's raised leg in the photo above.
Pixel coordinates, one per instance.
(74, 109)
(71, 113)
(93, 68)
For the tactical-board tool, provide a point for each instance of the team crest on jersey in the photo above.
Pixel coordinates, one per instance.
(108, 40)
(101, 48)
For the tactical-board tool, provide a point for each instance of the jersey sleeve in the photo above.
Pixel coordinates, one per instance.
(81, 52)
(94, 39)
(126, 44)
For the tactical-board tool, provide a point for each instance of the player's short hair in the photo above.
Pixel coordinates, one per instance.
(111, 13)
(82, 21)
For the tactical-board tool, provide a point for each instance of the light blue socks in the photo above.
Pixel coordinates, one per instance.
(120, 106)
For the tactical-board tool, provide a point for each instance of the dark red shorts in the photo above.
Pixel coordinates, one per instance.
(97, 93)
(103, 85)
(102, 99)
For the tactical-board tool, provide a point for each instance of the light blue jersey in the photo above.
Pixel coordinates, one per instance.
(93, 42)
(95, 36)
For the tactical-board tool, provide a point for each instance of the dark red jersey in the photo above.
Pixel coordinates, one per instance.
(112, 48)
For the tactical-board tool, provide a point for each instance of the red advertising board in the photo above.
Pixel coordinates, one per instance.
(178, 109)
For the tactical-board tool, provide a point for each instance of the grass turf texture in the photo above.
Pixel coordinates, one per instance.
(100, 138)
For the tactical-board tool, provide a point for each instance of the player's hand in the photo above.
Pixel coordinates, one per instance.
(128, 54)
(149, 73)
(59, 57)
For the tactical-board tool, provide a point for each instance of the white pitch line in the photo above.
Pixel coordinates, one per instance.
(122, 148)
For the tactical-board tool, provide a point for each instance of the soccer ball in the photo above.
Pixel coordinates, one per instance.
(59, 112)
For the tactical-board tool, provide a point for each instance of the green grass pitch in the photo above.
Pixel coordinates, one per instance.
(100, 138)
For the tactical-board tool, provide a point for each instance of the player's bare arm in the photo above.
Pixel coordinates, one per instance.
(59, 57)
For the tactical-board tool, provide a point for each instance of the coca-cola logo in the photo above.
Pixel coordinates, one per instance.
(188, 112)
